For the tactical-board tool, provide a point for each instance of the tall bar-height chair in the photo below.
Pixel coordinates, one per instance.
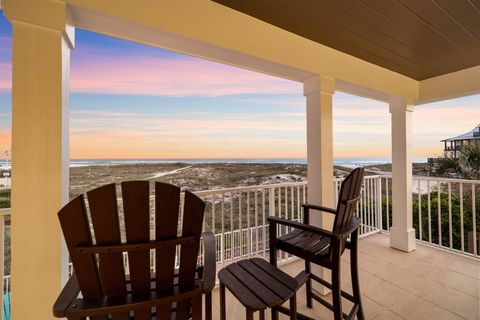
(325, 248)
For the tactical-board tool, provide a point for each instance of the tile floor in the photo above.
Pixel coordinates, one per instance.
(427, 283)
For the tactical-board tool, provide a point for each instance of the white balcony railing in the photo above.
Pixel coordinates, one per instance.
(238, 216)
(454, 224)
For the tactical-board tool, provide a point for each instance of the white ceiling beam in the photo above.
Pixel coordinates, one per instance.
(209, 30)
(449, 86)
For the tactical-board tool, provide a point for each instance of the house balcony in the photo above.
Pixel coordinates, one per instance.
(429, 283)
(439, 280)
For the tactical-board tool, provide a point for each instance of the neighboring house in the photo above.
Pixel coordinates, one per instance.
(455, 144)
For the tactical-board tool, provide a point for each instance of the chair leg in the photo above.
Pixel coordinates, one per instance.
(336, 287)
(208, 306)
(197, 308)
(293, 307)
(354, 271)
(223, 315)
(308, 286)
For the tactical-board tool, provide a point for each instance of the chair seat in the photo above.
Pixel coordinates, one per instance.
(306, 241)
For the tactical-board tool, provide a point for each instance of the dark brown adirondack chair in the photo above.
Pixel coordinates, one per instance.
(325, 248)
(99, 274)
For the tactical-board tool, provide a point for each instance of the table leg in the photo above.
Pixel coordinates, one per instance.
(249, 314)
(223, 315)
(274, 314)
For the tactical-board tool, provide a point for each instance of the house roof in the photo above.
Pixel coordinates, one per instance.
(419, 39)
(466, 136)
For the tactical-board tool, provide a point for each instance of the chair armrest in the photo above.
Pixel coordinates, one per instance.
(67, 296)
(319, 208)
(346, 202)
(210, 262)
(302, 226)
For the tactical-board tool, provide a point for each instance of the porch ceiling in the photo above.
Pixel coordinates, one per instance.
(419, 39)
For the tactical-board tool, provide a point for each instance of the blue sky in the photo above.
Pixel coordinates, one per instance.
(133, 101)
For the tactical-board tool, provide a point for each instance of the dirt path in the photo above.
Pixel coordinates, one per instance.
(161, 174)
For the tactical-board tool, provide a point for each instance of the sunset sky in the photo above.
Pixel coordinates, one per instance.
(133, 101)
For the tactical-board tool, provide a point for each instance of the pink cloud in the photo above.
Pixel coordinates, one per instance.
(5, 76)
(165, 76)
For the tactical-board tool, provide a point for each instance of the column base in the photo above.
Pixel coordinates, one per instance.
(402, 239)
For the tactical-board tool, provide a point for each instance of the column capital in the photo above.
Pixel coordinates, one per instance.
(400, 104)
(51, 14)
(318, 84)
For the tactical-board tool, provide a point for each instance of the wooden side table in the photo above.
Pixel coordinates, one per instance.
(258, 285)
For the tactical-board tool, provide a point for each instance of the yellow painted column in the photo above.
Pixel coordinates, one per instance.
(319, 93)
(40, 153)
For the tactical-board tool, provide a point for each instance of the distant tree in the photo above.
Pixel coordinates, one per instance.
(467, 165)
(469, 161)
(448, 165)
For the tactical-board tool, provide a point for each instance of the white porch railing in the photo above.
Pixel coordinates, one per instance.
(238, 216)
(454, 224)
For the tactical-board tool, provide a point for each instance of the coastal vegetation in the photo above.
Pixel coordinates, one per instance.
(466, 165)
(461, 210)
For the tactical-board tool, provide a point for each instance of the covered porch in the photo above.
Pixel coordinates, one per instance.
(427, 283)
(43, 37)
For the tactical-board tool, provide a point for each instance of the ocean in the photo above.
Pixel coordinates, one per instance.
(346, 162)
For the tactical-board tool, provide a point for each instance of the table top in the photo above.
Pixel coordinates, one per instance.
(257, 284)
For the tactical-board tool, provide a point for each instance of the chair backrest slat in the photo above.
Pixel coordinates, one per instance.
(191, 226)
(167, 204)
(350, 189)
(104, 212)
(74, 223)
(136, 210)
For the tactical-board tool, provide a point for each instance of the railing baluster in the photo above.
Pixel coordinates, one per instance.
(231, 242)
(369, 213)
(462, 237)
(379, 204)
(249, 241)
(474, 220)
(429, 213)
(264, 228)
(222, 236)
(292, 203)
(387, 203)
(298, 203)
(420, 236)
(213, 226)
(3, 286)
(304, 195)
(256, 220)
(362, 208)
(450, 238)
(439, 194)
(286, 230)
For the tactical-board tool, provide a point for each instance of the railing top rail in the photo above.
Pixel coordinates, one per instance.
(364, 178)
(437, 179)
(250, 188)
(266, 186)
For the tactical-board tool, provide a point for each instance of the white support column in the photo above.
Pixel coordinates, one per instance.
(402, 234)
(41, 61)
(319, 93)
